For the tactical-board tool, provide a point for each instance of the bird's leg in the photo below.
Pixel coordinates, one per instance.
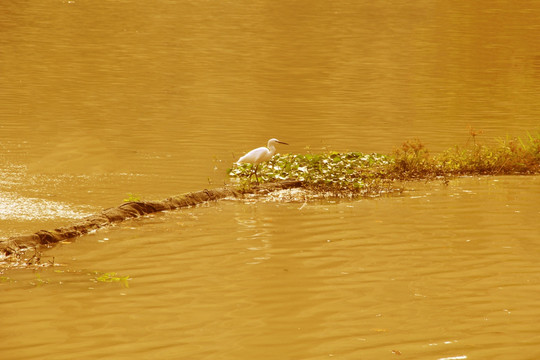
(255, 172)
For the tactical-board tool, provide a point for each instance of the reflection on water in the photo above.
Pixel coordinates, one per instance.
(20, 208)
(30, 201)
(102, 99)
(255, 231)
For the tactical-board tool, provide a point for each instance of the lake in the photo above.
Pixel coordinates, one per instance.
(106, 100)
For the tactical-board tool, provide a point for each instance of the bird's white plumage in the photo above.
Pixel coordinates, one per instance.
(259, 155)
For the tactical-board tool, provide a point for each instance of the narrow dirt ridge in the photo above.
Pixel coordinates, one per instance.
(131, 210)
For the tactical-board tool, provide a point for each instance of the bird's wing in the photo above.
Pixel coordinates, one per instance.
(255, 156)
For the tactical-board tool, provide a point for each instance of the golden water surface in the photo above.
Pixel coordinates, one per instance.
(101, 99)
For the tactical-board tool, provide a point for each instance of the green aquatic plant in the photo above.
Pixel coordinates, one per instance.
(38, 281)
(411, 160)
(352, 172)
(110, 277)
(132, 198)
(508, 156)
(5, 279)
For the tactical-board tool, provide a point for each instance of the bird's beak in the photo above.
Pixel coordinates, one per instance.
(284, 143)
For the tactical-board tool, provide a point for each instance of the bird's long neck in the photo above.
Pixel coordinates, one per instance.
(272, 149)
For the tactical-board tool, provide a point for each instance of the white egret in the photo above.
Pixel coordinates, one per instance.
(259, 155)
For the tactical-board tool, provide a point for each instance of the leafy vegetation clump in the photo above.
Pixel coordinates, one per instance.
(335, 172)
(358, 173)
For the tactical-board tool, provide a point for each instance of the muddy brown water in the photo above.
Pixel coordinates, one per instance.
(102, 100)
